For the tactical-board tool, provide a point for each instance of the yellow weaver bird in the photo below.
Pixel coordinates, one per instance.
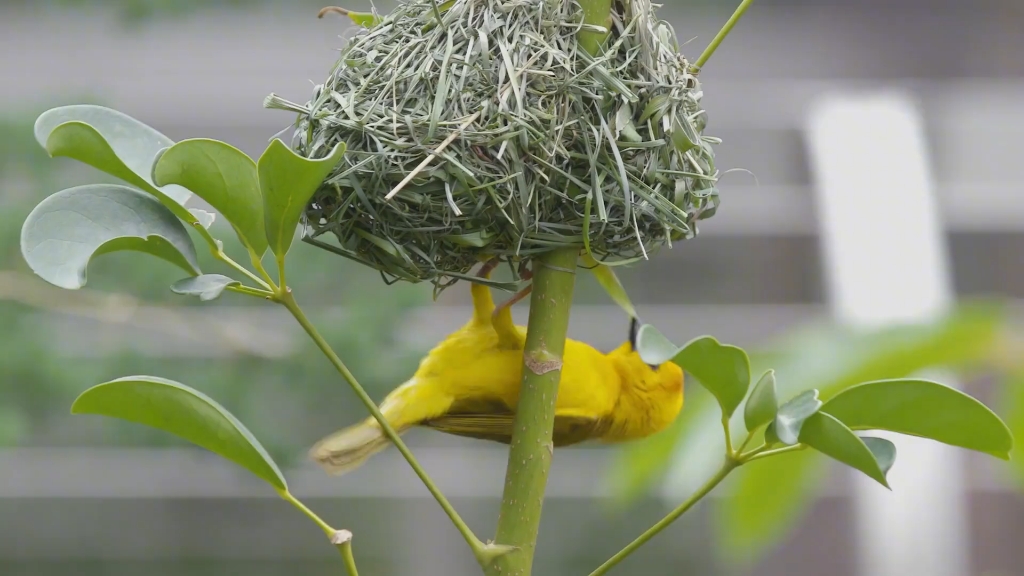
(468, 385)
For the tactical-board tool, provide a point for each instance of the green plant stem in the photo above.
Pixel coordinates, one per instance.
(281, 279)
(532, 447)
(257, 263)
(250, 291)
(597, 13)
(739, 450)
(653, 531)
(710, 50)
(343, 541)
(729, 452)
(219, 254)
(482, 552)
(288, 497)
(759, 453)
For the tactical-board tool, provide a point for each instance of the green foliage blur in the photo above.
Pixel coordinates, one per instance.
(288, 399)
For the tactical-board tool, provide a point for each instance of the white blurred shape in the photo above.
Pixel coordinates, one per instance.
(886, 262)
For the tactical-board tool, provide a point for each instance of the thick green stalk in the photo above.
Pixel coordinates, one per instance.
(672, 516)
(597, 13)
(531, 450)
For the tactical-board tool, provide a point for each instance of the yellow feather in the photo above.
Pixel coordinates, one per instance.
(468, 385)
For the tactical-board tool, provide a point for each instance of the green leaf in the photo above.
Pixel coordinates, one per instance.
(64, 232)
(763, 403)
(830, 437)
(922, 408)
(766, 500)
(224, 177)
(608, 280)
(184, 412)
(112, 142)
(723, 369)
(207, 287)
(288, 182)
(793, 414)
(832, 358)
(770, 436)
(1013, 399)
(883, 451)
(365, 19)
(653, 347)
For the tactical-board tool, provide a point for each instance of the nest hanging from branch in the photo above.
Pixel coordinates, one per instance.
(506, 138)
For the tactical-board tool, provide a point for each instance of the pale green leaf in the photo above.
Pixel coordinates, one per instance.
(207, 287)
(204, 218)
(883, 451)
(113, 142)
(793, 414)
(64, 232)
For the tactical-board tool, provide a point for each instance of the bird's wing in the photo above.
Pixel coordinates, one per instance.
(494, 421)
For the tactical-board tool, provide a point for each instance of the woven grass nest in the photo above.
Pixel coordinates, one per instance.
(506, 138)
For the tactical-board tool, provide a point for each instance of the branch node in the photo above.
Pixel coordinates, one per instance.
(490, 551)
(541, 362)
(341, 537)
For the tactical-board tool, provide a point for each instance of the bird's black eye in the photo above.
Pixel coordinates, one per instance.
(634, 329)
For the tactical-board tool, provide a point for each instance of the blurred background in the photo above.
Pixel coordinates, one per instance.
(94, 497)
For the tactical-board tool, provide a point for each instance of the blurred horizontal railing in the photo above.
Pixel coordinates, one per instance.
(747, 325)
(462, 470)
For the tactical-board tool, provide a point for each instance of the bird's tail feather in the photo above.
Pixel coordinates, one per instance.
(407, 406)
(348, 449)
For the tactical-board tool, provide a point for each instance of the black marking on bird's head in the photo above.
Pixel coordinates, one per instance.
(634, 331)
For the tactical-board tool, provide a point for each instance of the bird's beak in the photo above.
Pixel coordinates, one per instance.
(634, 329)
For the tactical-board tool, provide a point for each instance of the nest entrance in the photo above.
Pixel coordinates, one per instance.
(536, 145)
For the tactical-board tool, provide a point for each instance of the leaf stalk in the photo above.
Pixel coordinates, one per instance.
(727, 466)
